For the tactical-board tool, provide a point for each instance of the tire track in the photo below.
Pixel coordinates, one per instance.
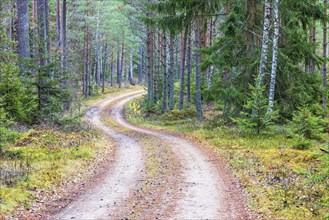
(101, 202)
(205, 193)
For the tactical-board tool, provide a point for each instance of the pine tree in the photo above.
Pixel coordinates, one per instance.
(23, 32)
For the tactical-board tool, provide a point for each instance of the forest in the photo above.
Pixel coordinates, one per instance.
(242, 83)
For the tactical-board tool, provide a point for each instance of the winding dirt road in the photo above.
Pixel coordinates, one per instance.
(204, 191)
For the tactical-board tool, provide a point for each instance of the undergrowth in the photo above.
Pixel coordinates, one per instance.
(284, 177)
(40, 160)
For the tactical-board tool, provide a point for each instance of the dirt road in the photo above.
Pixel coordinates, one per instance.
(205, 191)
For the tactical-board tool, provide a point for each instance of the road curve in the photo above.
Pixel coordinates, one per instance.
(203, 190)
(102, 201)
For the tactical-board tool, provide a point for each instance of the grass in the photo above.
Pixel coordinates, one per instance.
(280, 181)
(41, 160)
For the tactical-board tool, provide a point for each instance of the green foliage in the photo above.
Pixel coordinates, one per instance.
(150, 108)
(176, 114)
(51, 95)
(307, 124)
(301, 143)
(5, 134)
(235, 55)
(16, 99)
(255, 118)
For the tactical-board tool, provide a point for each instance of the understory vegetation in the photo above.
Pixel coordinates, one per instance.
(284, 170)
(37, 161)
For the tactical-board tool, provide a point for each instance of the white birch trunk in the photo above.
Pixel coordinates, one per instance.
(275, 55)
(265, 43)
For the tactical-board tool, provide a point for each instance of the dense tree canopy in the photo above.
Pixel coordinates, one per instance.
(221, 51)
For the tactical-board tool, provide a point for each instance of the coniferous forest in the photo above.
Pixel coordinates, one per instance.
(244, 80)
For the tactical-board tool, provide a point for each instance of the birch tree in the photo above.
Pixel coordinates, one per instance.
(275, 54)
(265, 43)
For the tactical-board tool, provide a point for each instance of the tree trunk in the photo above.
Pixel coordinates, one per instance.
(106, 57)
(324, 68)
(86, 52)
(23, 32)
(198, 101)
(42, 32)
(171, 72)
(150, 70)
(8, 21)
(47, 38)
(64, 50)
(189, 67)
(130, 76)
(265, 44)
(122, 61)
(58, 26)
(112, 67)
(35, 39)
(140, 66)
(275, 55)
(182, 69)
(118, 67)
(157, 45)
(165, 77)
(98, 55)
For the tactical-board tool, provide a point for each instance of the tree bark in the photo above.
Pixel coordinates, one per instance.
(171, 72)
(275, 55)
(86, 52)
(112, 67)
(42, 32)
(325, 42)
(98, 72)
(118, 67)
(130, 76)
(150, 57)
(182, 69)
(64, 33)
(189, 67)
(165, 77)
(105, 64)
(8, 21)
(122, 61)
(140, 65)
(47, 29)
(265, 44)
(23, 32)
(198, 100)
(58, 26)
(35, 32)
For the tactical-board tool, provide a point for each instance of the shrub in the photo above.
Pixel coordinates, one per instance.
(176, 114)
(301, 143)
(256, 118)
(307, 124)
